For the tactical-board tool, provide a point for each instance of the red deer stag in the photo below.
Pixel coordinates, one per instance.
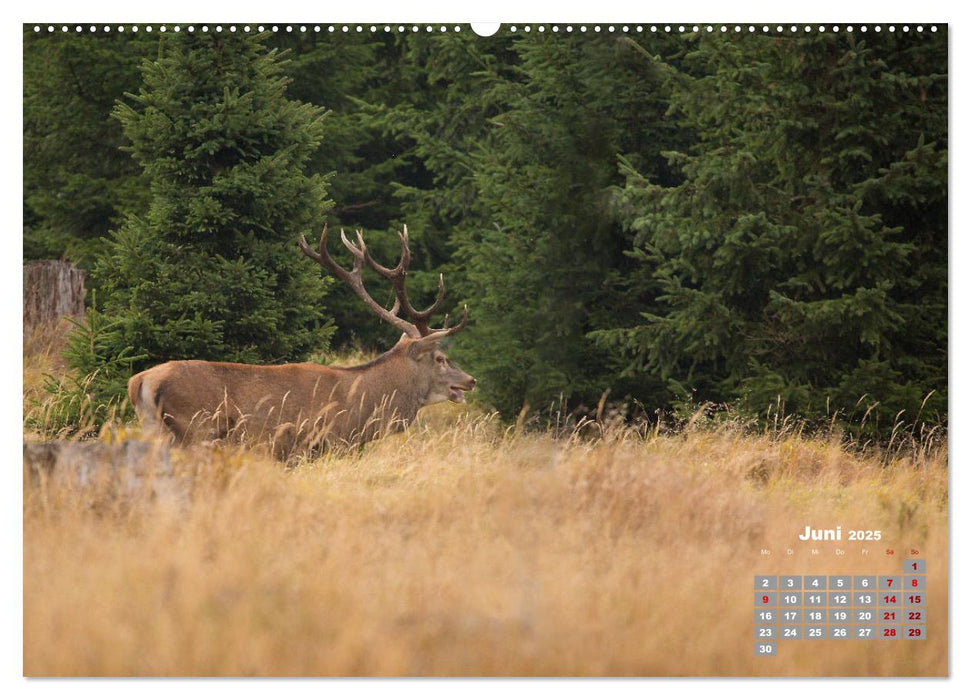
(308, 407)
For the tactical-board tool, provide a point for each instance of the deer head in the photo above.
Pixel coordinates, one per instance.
(436, 376)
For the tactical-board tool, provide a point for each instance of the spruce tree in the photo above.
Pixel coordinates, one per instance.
(78, 185)
(801, 264)
(360, 78)
(212, 271)
(541, 253)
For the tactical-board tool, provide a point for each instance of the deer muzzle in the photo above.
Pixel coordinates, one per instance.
(456, 392)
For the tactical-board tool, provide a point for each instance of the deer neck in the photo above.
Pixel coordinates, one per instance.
(391, 385)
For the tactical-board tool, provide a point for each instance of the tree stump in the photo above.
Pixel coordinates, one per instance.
(134, 472)
(53, 291)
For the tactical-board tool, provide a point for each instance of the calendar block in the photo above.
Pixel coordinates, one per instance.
(840, 599)
(767, 599)
(887, 606)
(839, 616)
(839, 583)
(915, 583)
(913, 599)
(765, 649)
(889, 599)
(815, 599)
(914, 616)
(766, 583)
(840, 632)
(815, 615)
(889, 617)
(766, 616)
(915, 566)
(767, 631)
(889, 583)
(914, 632)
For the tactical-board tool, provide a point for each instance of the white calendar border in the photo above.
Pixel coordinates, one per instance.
(521, 11)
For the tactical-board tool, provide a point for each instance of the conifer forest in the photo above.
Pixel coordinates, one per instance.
(641, 222)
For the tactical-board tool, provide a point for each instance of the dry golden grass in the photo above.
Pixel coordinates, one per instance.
(465, 548)
(42, 356)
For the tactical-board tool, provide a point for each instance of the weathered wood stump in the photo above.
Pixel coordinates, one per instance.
(53, 291)
(134, 471)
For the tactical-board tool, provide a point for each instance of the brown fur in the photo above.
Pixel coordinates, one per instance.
(295, 407)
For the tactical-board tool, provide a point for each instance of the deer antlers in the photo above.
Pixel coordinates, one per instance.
(418, 327)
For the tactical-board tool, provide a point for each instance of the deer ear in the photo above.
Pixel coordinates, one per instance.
(423, 346)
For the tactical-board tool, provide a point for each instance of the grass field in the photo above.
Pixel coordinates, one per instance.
(465, 547)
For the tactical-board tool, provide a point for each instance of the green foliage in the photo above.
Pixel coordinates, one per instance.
(757, 221)
(82, 401)
(212, 270)
(521, 140)
(801, 263)
(344, 76)
(77, 183)
(369, 83)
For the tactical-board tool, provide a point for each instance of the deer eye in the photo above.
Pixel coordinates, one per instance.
(440, 359)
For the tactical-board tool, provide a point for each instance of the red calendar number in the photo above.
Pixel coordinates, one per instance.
(765, 599)
(889, 599)
(889, 616)
(890, 583)
(914, 615)
(914, 599)
(913, 632)
(890, 632)
(913, 583)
